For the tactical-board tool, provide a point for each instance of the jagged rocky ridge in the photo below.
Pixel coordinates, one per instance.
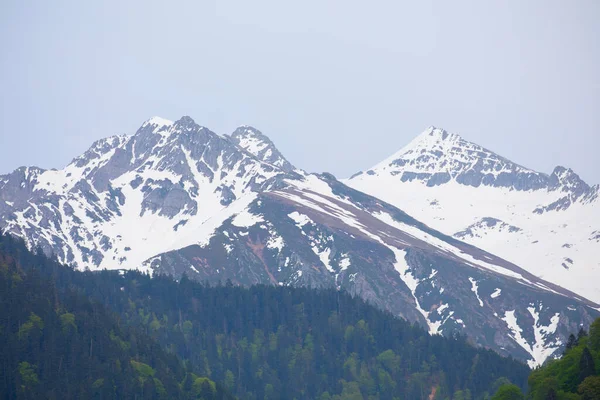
(177, 198)
(543, 223)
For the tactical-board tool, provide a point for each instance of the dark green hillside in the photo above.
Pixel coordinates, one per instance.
(576, 375)
(57, 344)
(269, 342)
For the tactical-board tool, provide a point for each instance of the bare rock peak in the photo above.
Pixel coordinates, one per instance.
(186, 122)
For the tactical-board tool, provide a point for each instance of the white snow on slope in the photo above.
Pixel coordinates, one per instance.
(539, 351)
(252, 144)
(511, 322)
(158, 122)
(246, 219)
(469, 259)
(275, 242)
(127, 234)
(323, 256)
(404, 270)
(540, 243)
(344, 262)
(475, 290)
(299, 219)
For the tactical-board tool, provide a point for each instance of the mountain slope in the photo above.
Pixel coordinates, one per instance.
(129, 198)
(320, 233)
(546, 224)
(267, 342)
(177, 198)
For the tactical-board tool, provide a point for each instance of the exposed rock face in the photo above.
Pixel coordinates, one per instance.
(147, 192)
(524, 216)
(177, 198)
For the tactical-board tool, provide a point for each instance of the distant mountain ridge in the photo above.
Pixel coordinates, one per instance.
(546, 224)
(178, 198)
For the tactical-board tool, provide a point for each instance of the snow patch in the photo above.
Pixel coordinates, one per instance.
(246, 219)
(275, 242)
(474, 289)
(299, 219)
(540, 350)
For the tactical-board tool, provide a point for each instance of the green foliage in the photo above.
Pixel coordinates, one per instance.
(143, 370)
(123, 345)
(187, 328)
(389, 360)
(261, 342)
(508, 392)
(594, 338)
(67, 322)
(586, 364)
(27, 375)
(57, 344)
(98, 383)
(34, 324)
(229, 380)
(590, 388)
(462, 395)
(350, 391)
(573, 377)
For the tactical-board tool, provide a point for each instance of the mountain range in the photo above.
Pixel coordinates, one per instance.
(444, 233)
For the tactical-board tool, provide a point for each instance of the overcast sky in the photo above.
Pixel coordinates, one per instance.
(338, 86)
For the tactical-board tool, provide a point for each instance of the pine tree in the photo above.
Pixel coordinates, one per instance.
(581, 334)
(551, 395)
(571, 342)
(594, 341)
(586, 365)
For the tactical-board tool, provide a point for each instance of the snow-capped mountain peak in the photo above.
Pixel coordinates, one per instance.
(568, 180)
(544, 223)
(157, 122)
(437, 157)
(177, 198)
(430, 139)
(256, 143)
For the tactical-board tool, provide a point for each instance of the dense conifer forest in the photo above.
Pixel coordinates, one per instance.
(83, 334)
(57, 344)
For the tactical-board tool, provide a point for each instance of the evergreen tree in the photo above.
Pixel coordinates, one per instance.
(586, 365)
(581, 334)
(551, 394)
(571, 342)
(573, 377)
(594, 339)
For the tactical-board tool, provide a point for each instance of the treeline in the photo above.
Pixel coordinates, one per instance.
(269, 342)
(575, 376)
(57, 344)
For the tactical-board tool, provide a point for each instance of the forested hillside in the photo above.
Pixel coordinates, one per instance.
(576, 375)
(57, 344)
(278, 342)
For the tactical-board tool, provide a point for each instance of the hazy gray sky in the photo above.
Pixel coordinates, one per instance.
(337, 85)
